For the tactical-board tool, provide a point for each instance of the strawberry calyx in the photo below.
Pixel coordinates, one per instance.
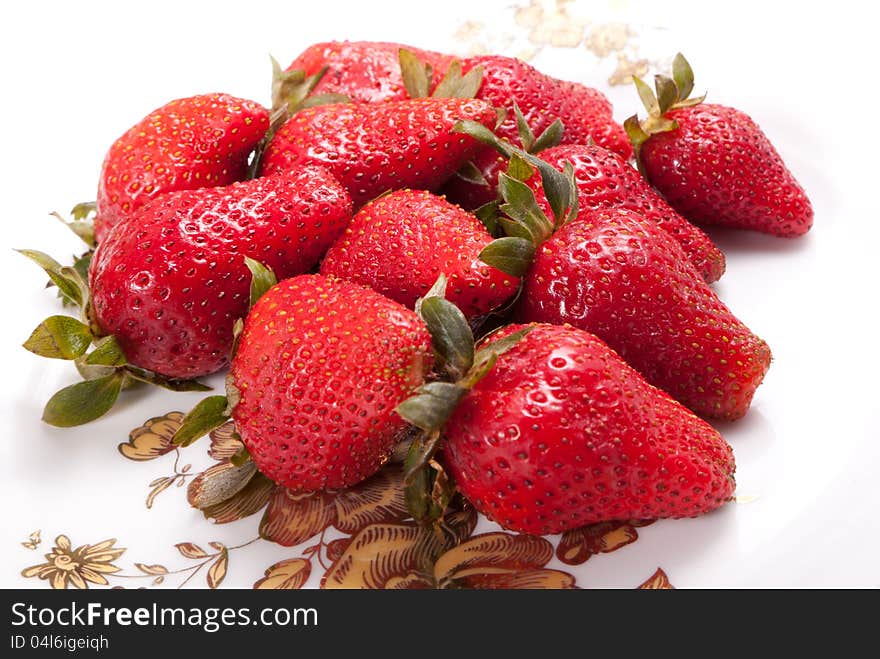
(291, 92)
(517, 213)
(558, 186)
(82, 222)
(417, 75)
(460, 366)
(105, 369)
(551, 136)
(668, 94)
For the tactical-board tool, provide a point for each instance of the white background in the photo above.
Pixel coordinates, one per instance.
(77, 74)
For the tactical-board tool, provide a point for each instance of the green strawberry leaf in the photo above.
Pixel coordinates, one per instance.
(107, 352)
(485, 359)
(416, 74)
(81, 225)
(526, 136)
(557, 189)
(60, 337)
(290, 89)
(519, 169)
(172, 384)
(83, 402)
(93, 371)
(438, 289)
(241, 457)
(514, 229)
(237, 329)
(262, 279)
(667, 92)
(574, 199)
(488, 215)
(83, 210)
(649, 100)
(510, 255)
(67, 279)
(683, 75)
(470, 172)
(323, 99)
(455, 85)
(431, 405)
(451, 335)
(551, 136)
(81, 265)
(484, 135)
(417, 480)
(499, 347)
(208, 414)
(427, 489)
(520, 206)
(82, 262)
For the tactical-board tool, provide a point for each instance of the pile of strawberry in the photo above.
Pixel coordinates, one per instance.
(468, 260)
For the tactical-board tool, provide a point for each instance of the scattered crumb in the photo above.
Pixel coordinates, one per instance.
(608, 38)
(626, 69)
(530, 15)
(536, 24)
(469, 31)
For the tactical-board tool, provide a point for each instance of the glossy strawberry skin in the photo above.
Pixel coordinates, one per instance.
(400, 243)
(170, 281)
(606, 181)
(365, 71)
(321, 366)
(375, 148)
(620, 277)
(563, 433)
(195, 142)
(585, 112)
(718, 167)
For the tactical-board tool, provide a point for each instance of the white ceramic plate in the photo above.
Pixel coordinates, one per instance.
(807, 452)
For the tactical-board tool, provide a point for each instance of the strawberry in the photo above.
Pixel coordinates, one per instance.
(189, 143)
(169, 281)
(618, 275)
(320, 367)
(375, 148)
(605, 180)
(585, 114)
(365, 71)
(563, 433)
(713, 163)
(400, 243)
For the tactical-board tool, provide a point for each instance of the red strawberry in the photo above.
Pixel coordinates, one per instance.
(605, 180)
(617, 275)
(375, 148)
(400, 243)
(170, 281)
(714, 164)
(563, 433)
(584, 112)
(365, 71)
(189, 143)
(321, 365)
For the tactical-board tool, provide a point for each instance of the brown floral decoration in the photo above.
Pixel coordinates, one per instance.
(153, 439)
(380, 545)
(78, 567)
(578, 545)
(657, 581)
